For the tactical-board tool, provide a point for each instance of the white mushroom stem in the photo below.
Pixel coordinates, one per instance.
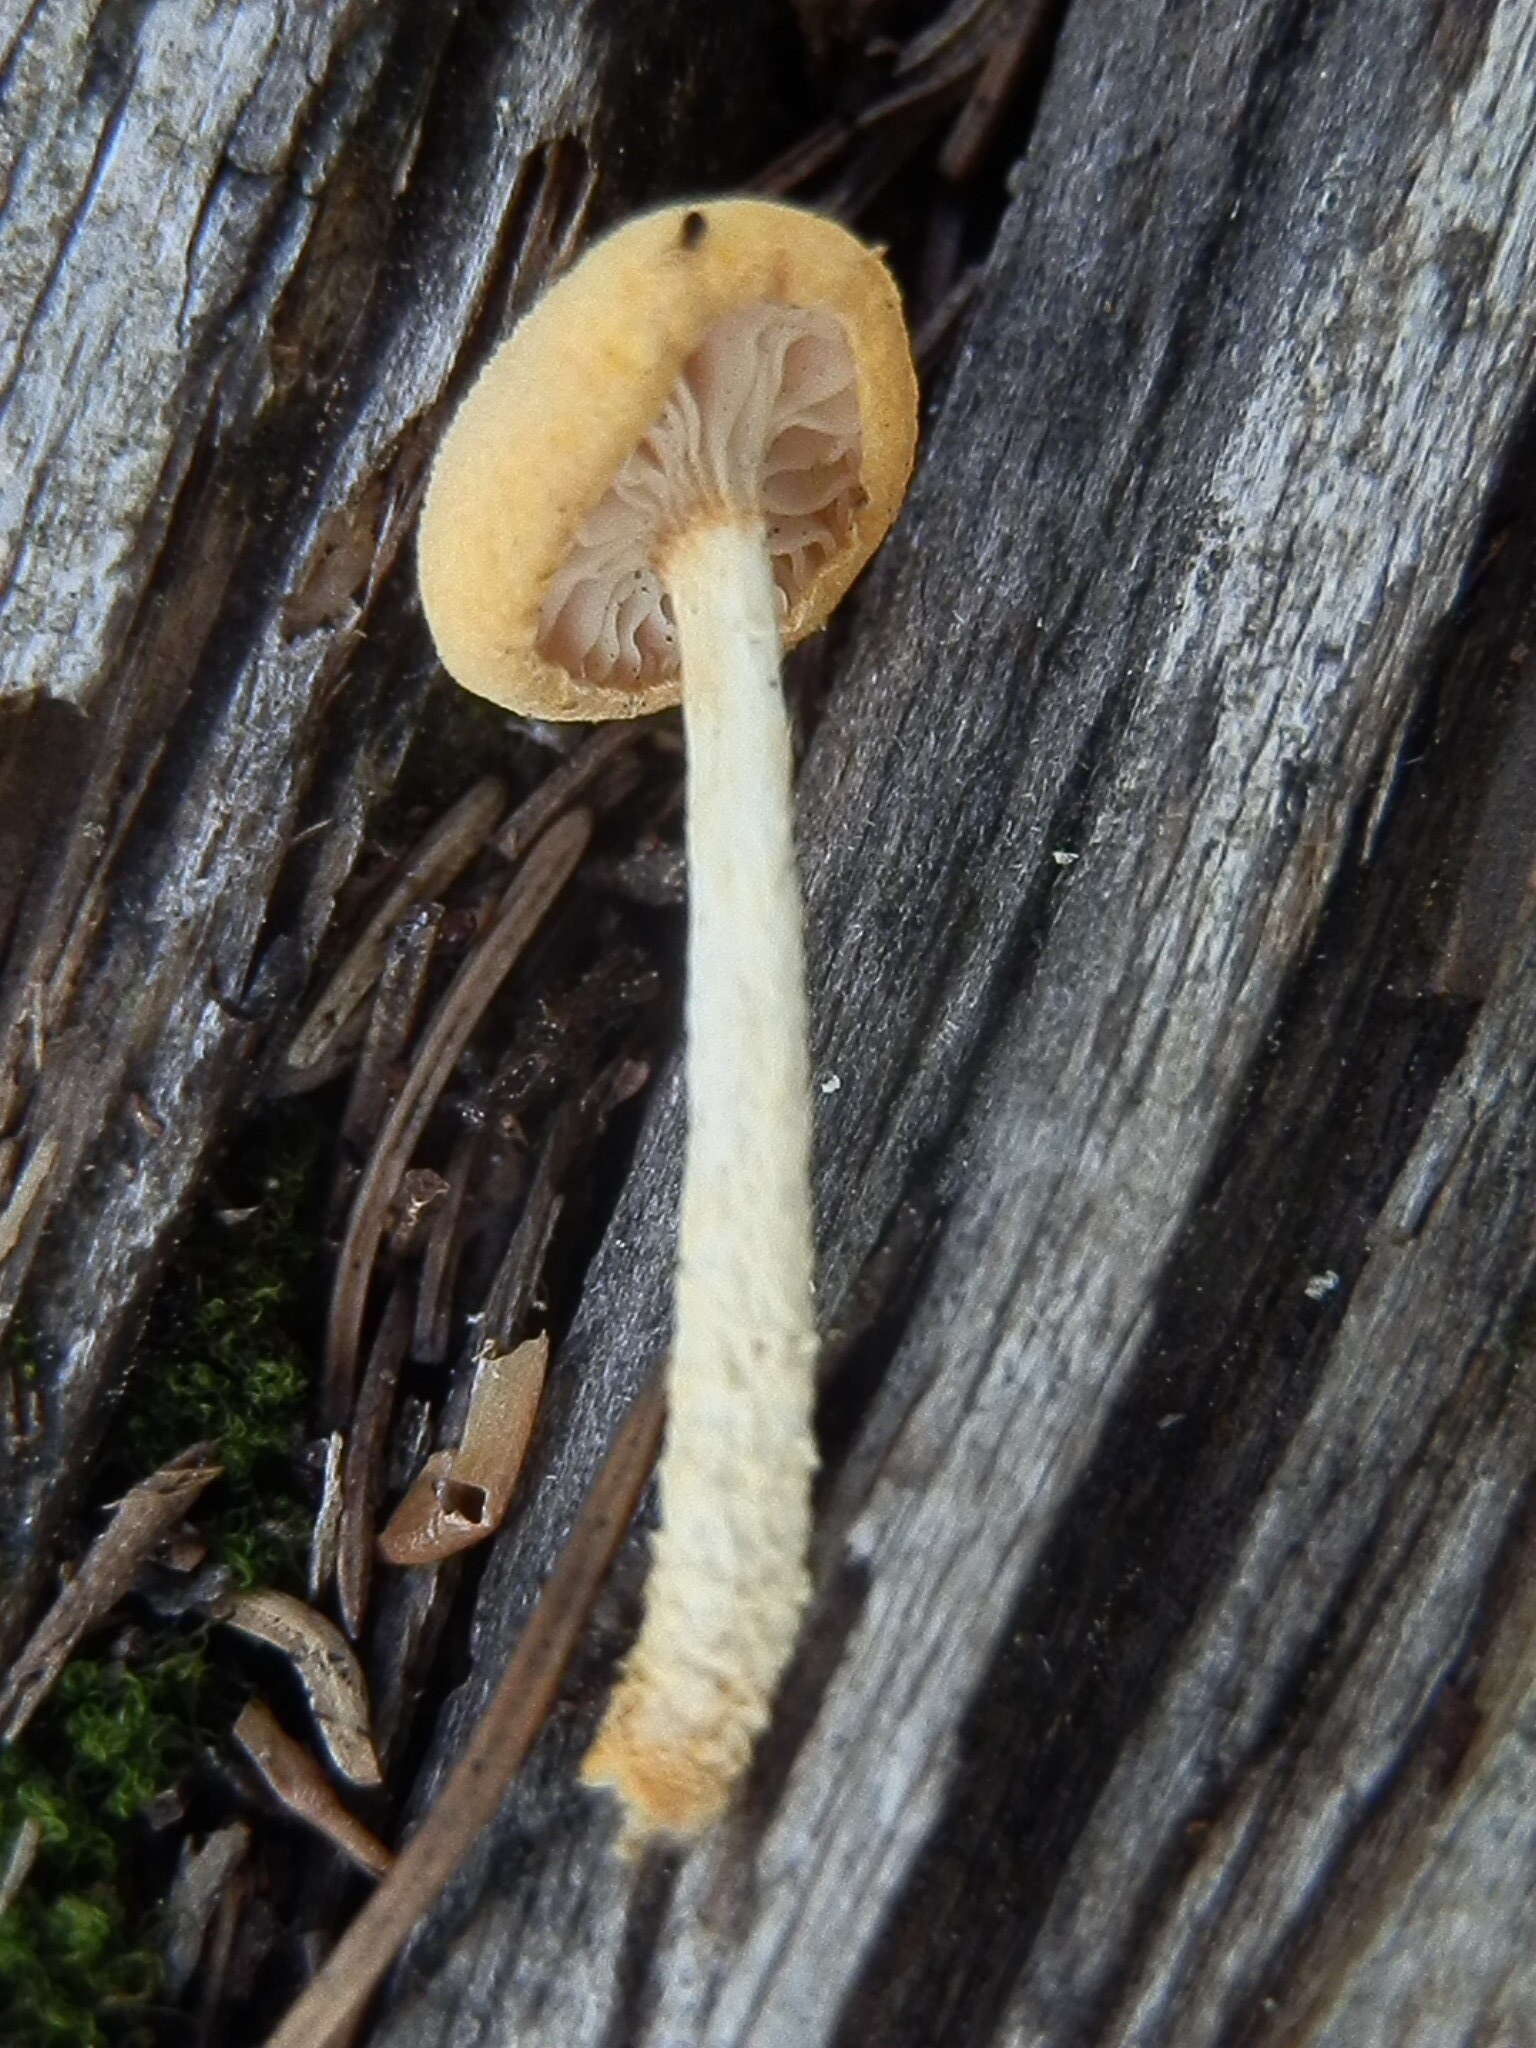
(728, 1577)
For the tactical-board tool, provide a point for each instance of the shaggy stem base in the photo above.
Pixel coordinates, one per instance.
(728, 1579)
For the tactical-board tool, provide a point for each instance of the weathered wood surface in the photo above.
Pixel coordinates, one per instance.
(244, 253)
(1168, 834)
(1170, 1678)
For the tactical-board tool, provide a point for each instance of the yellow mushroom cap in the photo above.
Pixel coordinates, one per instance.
(542, 453)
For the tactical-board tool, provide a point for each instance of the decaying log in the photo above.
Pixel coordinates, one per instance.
(1168, 1682)
(1169, 849)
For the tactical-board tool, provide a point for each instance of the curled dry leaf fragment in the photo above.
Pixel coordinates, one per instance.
(295, 1776)
(677, 465)
(502, 1405)
(459, 1497)
(331, 1676)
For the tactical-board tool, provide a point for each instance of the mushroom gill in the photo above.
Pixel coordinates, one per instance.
(764, 420)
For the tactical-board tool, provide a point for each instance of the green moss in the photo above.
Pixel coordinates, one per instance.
(266, 1546)
(77, 1956)
(228, 1354)
(128, 1733)
(71, 1976)
(226, 1388)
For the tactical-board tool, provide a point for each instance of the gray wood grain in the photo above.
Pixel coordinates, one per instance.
(244, 254)
(1381, 1561)
(1174, 1554)
(1167, 837)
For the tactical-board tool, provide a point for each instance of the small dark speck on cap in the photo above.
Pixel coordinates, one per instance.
(692, 231)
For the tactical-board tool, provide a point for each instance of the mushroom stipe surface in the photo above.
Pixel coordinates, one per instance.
(672, 470)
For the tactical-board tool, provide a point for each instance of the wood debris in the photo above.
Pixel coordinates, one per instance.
(202, 1876)
(560, 789)
(363, 1463)
(411, 1610)
(139, 1523)
(497, 1744)
(442, 853)
(522, 909)
(440, 1256)
(295, 1777)
(382, 1060)
(22, 1199)
(327, 1524)
(20, 1857)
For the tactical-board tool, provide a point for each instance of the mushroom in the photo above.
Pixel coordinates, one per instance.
(676, 466)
